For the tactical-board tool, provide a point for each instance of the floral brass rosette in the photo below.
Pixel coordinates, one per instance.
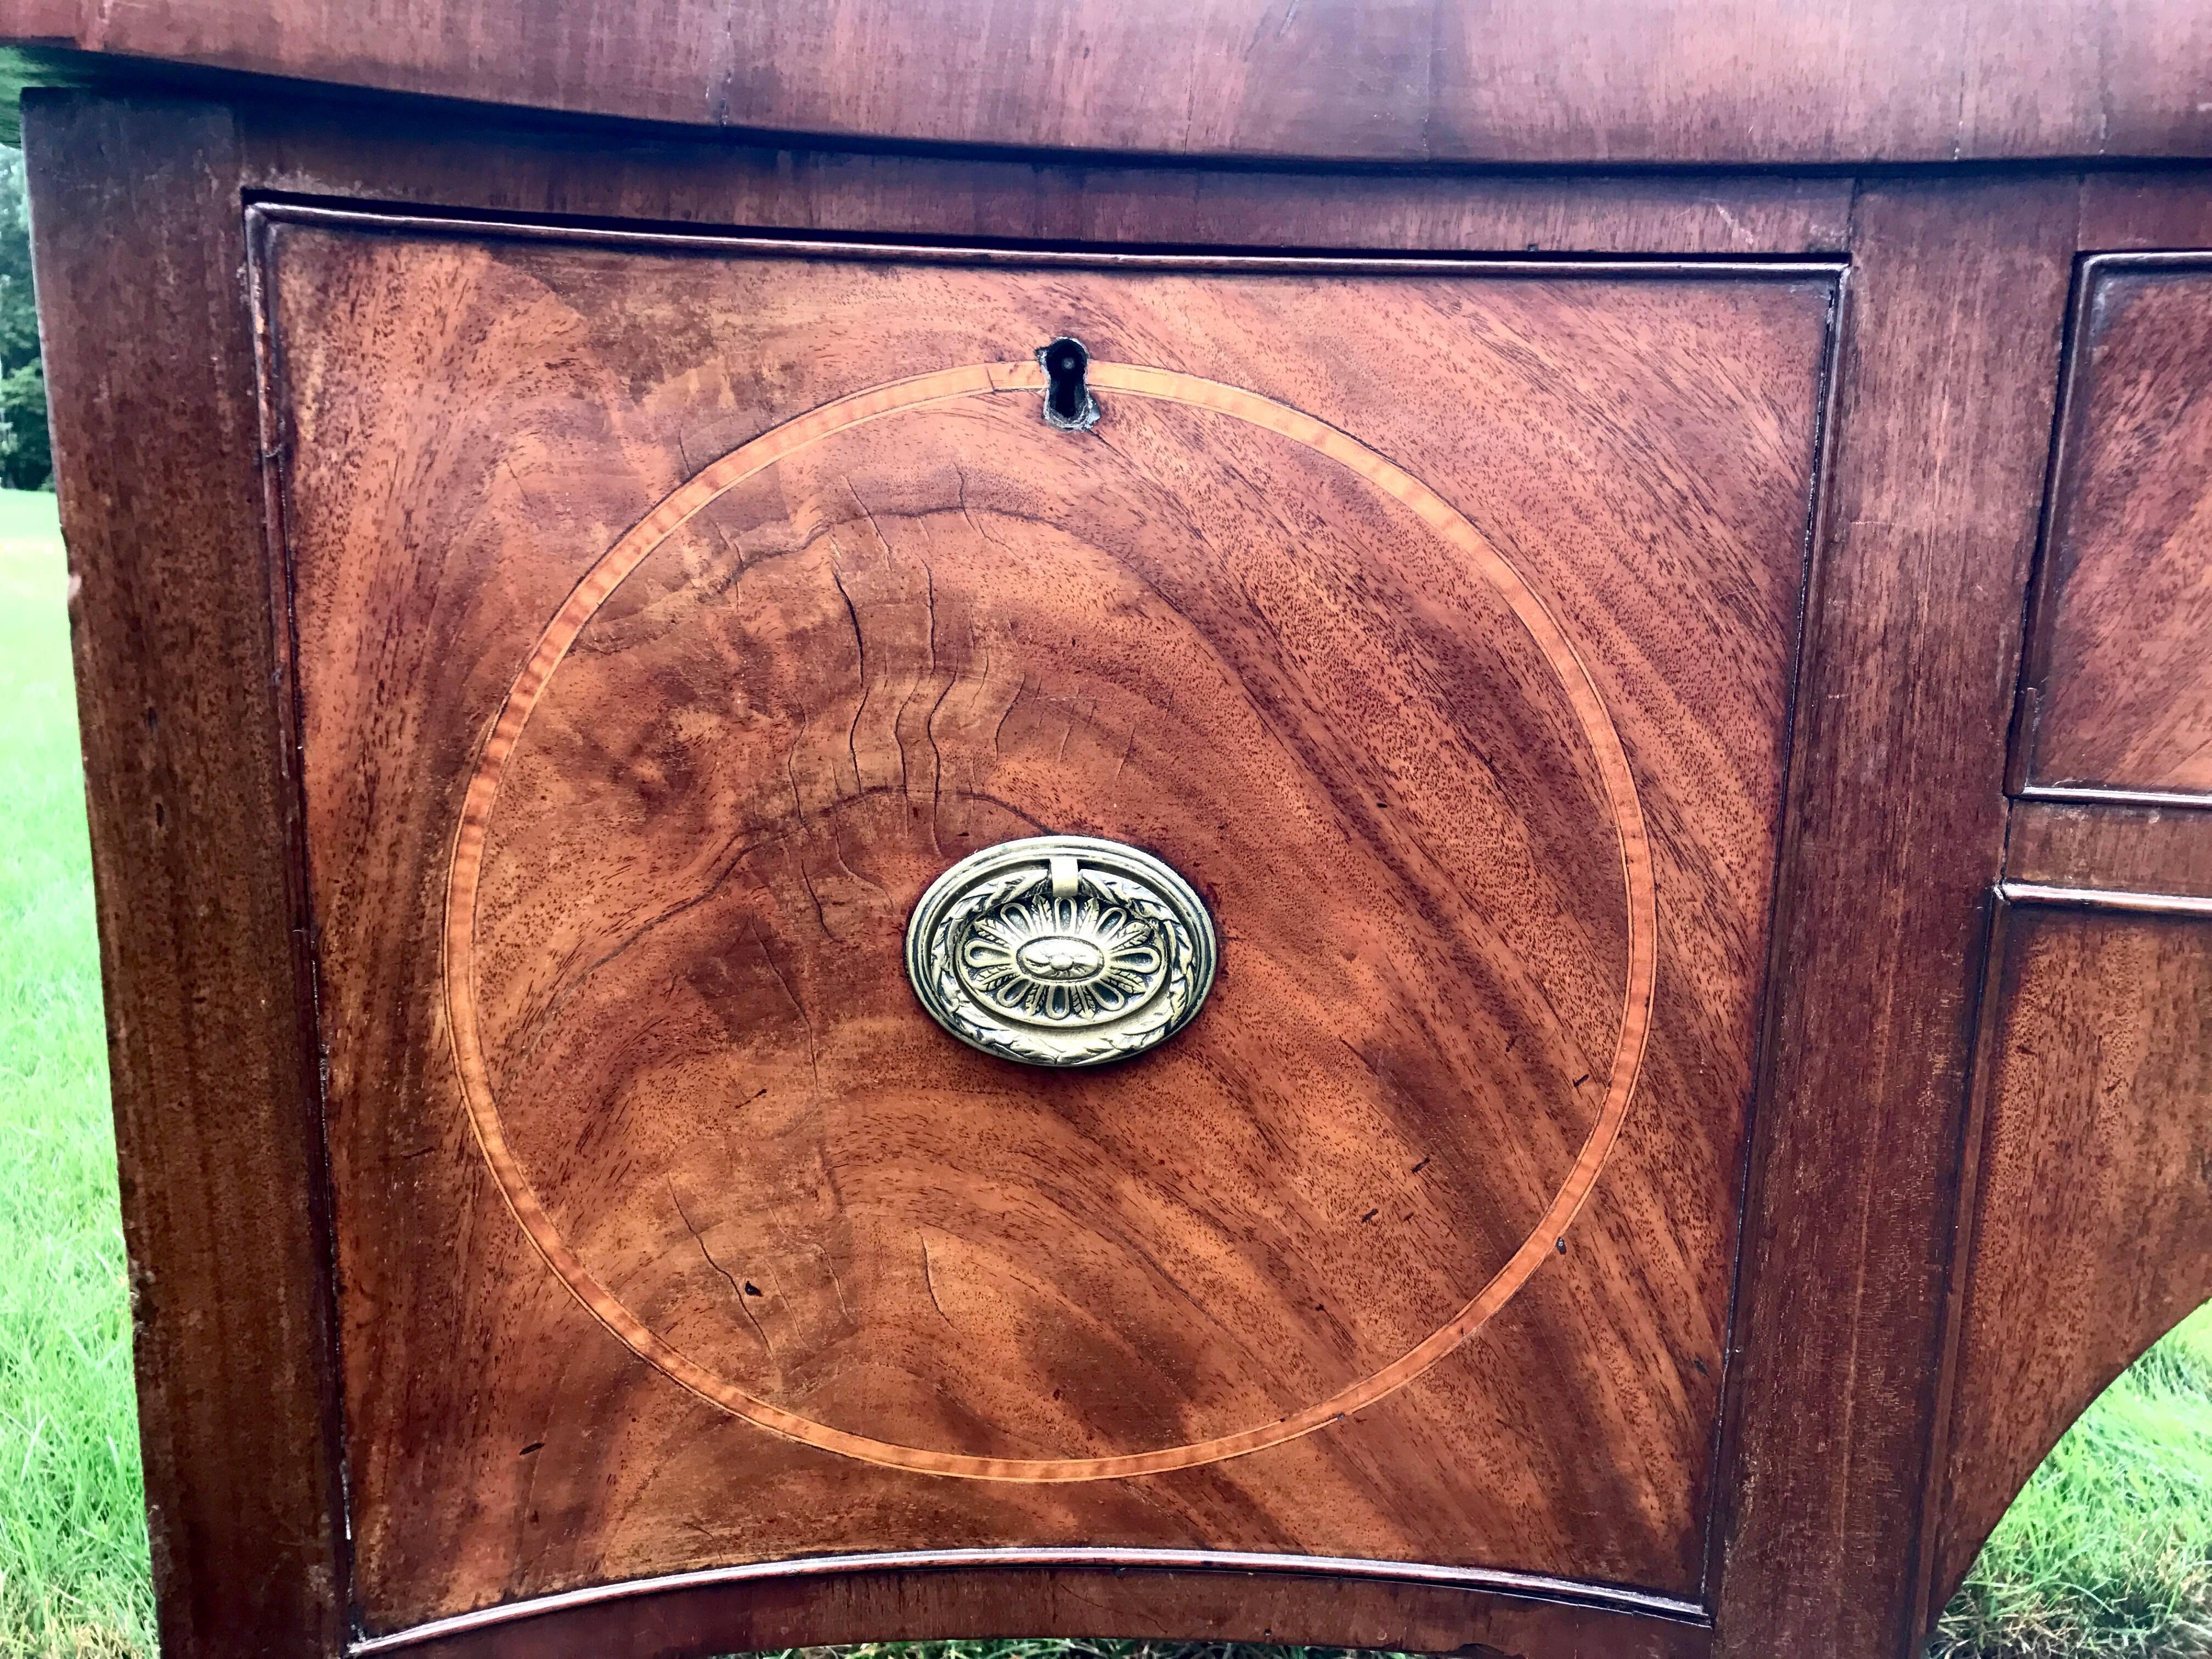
(1061, 950)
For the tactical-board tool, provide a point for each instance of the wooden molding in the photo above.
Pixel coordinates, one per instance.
(1710, 82)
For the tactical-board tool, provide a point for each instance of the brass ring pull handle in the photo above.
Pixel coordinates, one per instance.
(1060, 950)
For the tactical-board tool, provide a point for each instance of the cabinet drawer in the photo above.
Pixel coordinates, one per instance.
(669, 615)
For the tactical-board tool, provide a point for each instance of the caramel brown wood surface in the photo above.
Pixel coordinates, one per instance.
(1751, 82)
(504, 167)
(958, 409)
(947, 626)
(2119, 689)
(194, 826)
(507, 166)
(2094, 1232)
(1944, 423)
(594, 412)
(2130, 849)
(2146, 208)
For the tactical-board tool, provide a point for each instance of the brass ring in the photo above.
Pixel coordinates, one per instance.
(1060, 950)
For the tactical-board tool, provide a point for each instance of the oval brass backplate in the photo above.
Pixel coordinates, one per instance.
(1060, 950)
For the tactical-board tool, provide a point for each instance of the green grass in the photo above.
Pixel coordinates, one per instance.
(1043, 1648)
(2109, 1550)
(73, 1573)
(2107, 1555)
(28, 515)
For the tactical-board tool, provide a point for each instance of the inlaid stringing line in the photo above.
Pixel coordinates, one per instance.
(921, 392)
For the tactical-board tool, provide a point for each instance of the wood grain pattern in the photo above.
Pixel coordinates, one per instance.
(1943, 429)
(864, 676)
(712, 182)
(934, 391)
(194, 817)
(2130, 849)
(2146, 208)
(1728, 82)
(2092, 1229)
(2119, 689)
(528, 476)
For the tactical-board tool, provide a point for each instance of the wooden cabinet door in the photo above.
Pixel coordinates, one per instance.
(669, 614)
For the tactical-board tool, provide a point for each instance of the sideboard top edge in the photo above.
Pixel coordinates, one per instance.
(1680, 81)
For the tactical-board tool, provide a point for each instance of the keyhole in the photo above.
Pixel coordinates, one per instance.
(1069, 404)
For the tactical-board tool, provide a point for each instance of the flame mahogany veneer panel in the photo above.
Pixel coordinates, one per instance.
(2120, 687)
(951, 626)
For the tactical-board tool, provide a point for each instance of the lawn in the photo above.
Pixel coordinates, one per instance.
(2109, 1553)
(72, 1539)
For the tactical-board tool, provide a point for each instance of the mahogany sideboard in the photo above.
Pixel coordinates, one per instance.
(1289, 820)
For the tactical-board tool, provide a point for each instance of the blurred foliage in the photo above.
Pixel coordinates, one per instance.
(27, 460)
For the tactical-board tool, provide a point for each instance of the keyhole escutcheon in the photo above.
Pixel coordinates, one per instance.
(1069, 404)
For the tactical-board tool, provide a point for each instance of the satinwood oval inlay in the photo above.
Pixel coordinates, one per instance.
(952, 735)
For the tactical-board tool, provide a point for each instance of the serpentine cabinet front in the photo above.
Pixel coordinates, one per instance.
(820, 926)
(1083, 907)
